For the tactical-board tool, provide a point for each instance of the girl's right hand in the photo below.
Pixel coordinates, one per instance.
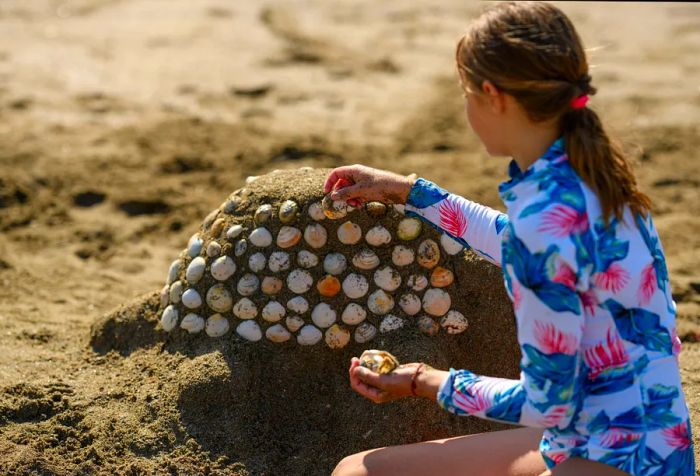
(369, 184)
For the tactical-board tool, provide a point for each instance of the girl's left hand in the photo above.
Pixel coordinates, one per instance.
(381, 388)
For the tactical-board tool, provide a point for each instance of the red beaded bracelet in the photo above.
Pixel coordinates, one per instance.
(413, 379)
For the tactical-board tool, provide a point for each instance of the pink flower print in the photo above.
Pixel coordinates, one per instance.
(558, 458)
(552, 340)
(554, 415)
(648, 285)
(612, 279)
(471, 404)
(618, 438)
(566, 276)
(452, 220)
(677, 436)
(517, 296)
(610, 353)
(588, 300)
(563, 221)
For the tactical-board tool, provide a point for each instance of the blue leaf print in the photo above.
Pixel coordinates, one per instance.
(600, 423)
(501, 222)
(424, 194)
(640, 326)
(611, 380)
(609, 248)
(550, 373)
(658, 407)
(508, 406)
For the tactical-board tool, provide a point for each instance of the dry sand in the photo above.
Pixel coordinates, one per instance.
(125, 122)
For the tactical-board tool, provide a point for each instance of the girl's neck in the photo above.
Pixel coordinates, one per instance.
(530, 143)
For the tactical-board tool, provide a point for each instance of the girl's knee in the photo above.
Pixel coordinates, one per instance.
(351, 466)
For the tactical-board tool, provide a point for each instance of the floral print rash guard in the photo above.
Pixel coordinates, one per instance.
(595, 321)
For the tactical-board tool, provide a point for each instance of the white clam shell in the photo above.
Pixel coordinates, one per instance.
(365, 332)
(168, 319)
(191, 299)
(294, 323)
(450, 245)
(334, 263)
(409, 229)
(380, 302)
(428, 254)
(192, 323)
(390, 323)
(387, 278)
(195, 270)
(288, 236)
(176, 290)
(233, 232)
(309, 335)
(353, 314)
(194, 245)
(277, 333)
(298, 305)
(245, 309)
(216, 326)
(410, 304)
(355, 286)
(316, 211)
(323, 315)
(337, 337)
(223, 268)
(164, 296)
(378, 236)
(260, 237)
(299, 281)
(307, 259)
(219, 298)
(257, 262)
(249, 330)
(279, 261)
(366, 259)
(349, 233)
(213, 249)
(174, 270)
(273, 311)
(248, 284)
(436, 302)
(417, 282)
(454, 322)
(250, 179)
(241, 247)
(402, 255)
(315, 235)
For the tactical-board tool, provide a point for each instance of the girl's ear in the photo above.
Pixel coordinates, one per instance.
(494, 96)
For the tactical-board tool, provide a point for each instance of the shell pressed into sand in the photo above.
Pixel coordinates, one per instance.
(390, 323)
(349, 233)
(417, 282)
(375, 209)
(353, 314)
(257, 262)
(410, 304)
(192, 323)
(309, 335)
(365, 332)
(263, 214)
(245, 309)
(195, 270)
(233, 232)
(428, 254)
(337, 337)
(307, 259)
(315, 235)
(378, 236)
(427, 325)
(454, 322)
(277, 333)
(288, 236)
(378, 361)
(294, 322)
(288, 212)
(279, 261)
(441, 277)
(355, 286)
(249, 330)
(164, 296)
(248, 284)
(334, 263)
(366, 259)
(436, 302)
(387, 278)
(219, 298)
(213, 249)
(316, 211)
(168, 319)
(174, 270)
(223, 268)
(380, 303)
(217, 227)
(194, 246)
(176, 290)
(273, 311)
(328, 286)
(217, 325)
(402, 255)
(271, 285)
(260, 237)
(299, 281)
(409, 229)
(240, 247)
(323, 315)
(191, 299)
(298, 304)
(450, 245)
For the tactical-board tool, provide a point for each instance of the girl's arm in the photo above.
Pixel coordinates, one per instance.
(471, 224)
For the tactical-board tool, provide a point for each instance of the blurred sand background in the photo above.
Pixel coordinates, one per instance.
(124, 122)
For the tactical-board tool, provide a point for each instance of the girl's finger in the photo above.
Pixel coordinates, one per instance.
(336, 174)
(368, 377)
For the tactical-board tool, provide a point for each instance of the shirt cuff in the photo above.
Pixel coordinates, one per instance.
(425, 193)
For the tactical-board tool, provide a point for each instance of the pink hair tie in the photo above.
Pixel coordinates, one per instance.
(579, 102)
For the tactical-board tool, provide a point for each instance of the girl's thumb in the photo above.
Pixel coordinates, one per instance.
(345, 193)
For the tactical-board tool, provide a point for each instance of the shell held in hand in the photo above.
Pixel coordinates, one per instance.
(379, 361)
(334, 209)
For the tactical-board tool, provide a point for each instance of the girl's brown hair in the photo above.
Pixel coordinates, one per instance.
(531, 51)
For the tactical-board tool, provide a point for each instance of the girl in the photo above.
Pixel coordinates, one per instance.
(583, 266)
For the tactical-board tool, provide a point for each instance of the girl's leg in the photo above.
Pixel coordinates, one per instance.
(583, 467)
(507, 453)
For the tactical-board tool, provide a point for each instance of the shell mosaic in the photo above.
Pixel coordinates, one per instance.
(309, 271)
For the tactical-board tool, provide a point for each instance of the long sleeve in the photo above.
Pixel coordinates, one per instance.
(471, 224)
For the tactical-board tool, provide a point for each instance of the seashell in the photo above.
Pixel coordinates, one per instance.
(402, 255)
(355, 286)
(307, 259)
(213, 249)
(337, 337)
(288, 236)
(233, 232)
(315, 235)
(176, 290)
(353, 314)
(195, 270)
(427, 325)
(298, 304)
(316, 211)
(245, 309)
(309, 335)
(409, 229)
(248, 284)
(271, 285)
(279, 261)
(410, 304)
(174, 270)
(400, 208)
(223, 268)
(328, 286)
(441, 277)
(217, 227)
(378, 236)
(454, 322)
(249, 330)
(263, 214)
(428, 254)
(436, 302)
(387, 278)
(334, 263)
(164, 296)
(450, 245)
(378, 361)
(168, 319)
(294, 323)
(194, 245)
(217, 325)
(250, 179)
(417, 282)
(231, 205)
(334, 209)
(192, 323)
(365, 332)
(209, 219)
(277, 333)
(257, 262)
(241, 247)
(323, 315)
(219, 298)
(191, 299)
(273, 311)
(366, 259)
(375, 209)
(288, 211)
(260, 237)
(349, 233)
(380, 302)
(299, 281)
(390, 323)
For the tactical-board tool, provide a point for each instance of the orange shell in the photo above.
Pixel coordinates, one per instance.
(271, 285)
(328, 286)
(441, 277)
